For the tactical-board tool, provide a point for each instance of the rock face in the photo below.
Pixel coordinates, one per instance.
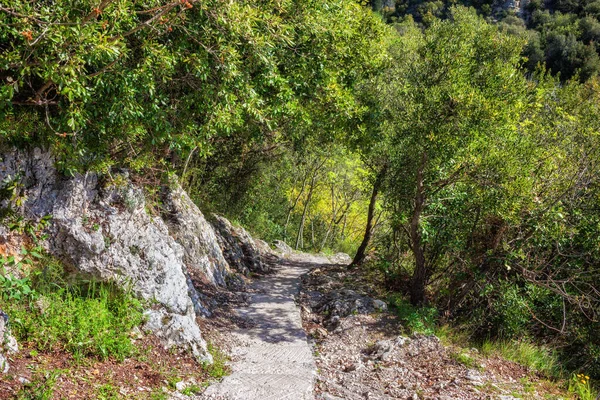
(240, 250)
(8, 344)
(283, 247)
(105, 232)
(187, 225)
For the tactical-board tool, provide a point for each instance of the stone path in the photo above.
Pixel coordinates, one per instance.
(274, 360)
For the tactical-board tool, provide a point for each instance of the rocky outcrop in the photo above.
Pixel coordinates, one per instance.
(282, 247)
(240, 250)
(202, 253)
(8, 344)
(264, 249)
(105, 232)
(341, 303)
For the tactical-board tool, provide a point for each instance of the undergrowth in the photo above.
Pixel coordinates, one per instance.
(56, 312)
(536, 357)
(41, 386)
(415, 319)
(533, 356)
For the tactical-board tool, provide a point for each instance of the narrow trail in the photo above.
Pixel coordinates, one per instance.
(273, 360)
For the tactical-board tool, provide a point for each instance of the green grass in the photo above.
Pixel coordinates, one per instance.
(107, 392)
(158, 394)
(84, 318)
(191, 390)
(218, 369)
(532, 356)
(415, 319)
(465, 359)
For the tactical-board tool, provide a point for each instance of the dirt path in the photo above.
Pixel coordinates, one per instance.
(273, 360)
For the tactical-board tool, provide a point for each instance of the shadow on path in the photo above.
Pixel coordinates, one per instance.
(273, 360)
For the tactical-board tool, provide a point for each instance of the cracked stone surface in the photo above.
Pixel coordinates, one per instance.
(273, 360)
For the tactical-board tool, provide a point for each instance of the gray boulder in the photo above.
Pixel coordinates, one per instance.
(282, 247)
(340, 258)
(264, 248)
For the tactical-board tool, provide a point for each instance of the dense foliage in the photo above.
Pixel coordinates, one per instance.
(475, 172)
(492, 186)
(561, 34)
(136, 82)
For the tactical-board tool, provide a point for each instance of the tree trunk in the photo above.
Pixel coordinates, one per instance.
(299, 238)
(312, 232)
(294, 204)
(332, 221)
(419, 278)
(361, 253)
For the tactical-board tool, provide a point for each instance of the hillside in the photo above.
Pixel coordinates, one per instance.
(173, 172)
(559, 35)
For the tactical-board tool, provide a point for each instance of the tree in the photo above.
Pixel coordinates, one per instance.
(452, 95)
(126, 83)
(361, 253)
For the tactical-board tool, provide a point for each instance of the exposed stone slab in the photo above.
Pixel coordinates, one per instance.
(188, 226)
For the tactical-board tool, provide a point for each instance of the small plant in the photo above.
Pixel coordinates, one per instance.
(528, 386)
(191, 390)
(33, 229)
(465, 360)
(12, 287)
(218, 368)
(173, 380)
(158, 394)
(107, 392)
(41, 386)
(15, 289)
(581, 386)
(11, 188)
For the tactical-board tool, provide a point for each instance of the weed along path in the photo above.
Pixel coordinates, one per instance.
(273, 360)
